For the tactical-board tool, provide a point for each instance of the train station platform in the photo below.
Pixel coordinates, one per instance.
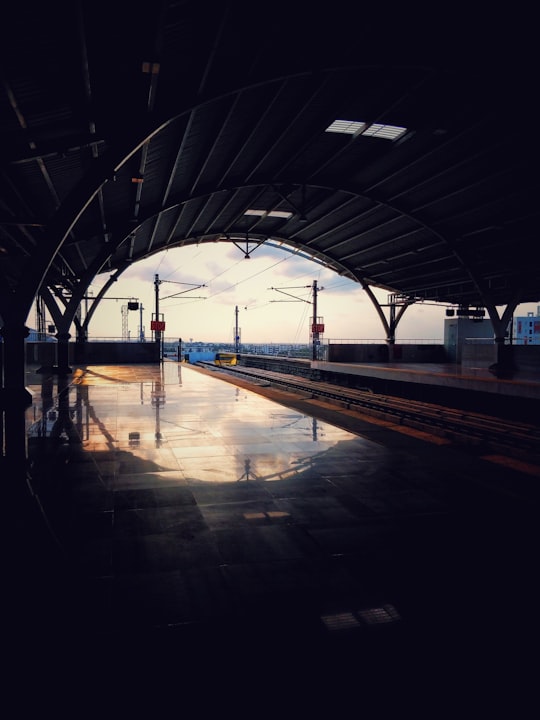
(453, 376)
(213, 533)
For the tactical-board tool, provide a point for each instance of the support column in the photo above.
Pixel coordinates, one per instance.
(390, 325)
(390, 345)
(505, 365)
(14, 391)
(14, 399)
(63, 353)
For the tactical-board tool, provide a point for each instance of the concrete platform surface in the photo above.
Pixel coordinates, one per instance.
(522, 384)
(185, 527)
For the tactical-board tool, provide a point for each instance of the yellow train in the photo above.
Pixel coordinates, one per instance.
(226, 358)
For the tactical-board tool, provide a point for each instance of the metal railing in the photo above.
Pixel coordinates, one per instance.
(379, 341)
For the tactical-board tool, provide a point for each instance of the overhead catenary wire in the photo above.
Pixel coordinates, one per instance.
(296, 253)
(259, 306)
(301, 323)
(253, 303)
(260, 272)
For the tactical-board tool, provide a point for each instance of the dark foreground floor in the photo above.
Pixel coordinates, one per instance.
(182, 534)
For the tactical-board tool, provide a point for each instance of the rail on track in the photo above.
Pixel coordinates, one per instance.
(464, 427)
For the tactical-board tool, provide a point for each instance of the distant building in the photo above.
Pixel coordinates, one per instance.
(526, 329)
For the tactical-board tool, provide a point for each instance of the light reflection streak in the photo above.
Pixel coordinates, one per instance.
(193, 428)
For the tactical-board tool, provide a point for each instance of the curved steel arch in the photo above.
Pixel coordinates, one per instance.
(124, 147)
(104, 168)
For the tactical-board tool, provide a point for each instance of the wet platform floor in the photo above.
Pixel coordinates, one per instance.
(196, 520)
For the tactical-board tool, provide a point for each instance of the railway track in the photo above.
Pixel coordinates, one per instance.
(463, 427)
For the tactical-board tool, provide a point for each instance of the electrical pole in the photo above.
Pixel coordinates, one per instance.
(157, 326)
(314, 327)
(141, 326)
(236, 332)
(125, 335)
(317, 325)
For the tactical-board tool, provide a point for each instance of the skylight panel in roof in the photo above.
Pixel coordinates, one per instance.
(354, 127)
(349, 127)
(388, 132)
(280, 213)
(269, 213)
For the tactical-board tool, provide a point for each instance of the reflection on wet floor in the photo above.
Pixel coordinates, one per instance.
(183, 502)
(201, 430)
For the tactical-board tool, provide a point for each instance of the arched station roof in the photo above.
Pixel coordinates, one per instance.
(399, 150)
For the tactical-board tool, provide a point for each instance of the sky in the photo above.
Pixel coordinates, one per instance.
(205, 290)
